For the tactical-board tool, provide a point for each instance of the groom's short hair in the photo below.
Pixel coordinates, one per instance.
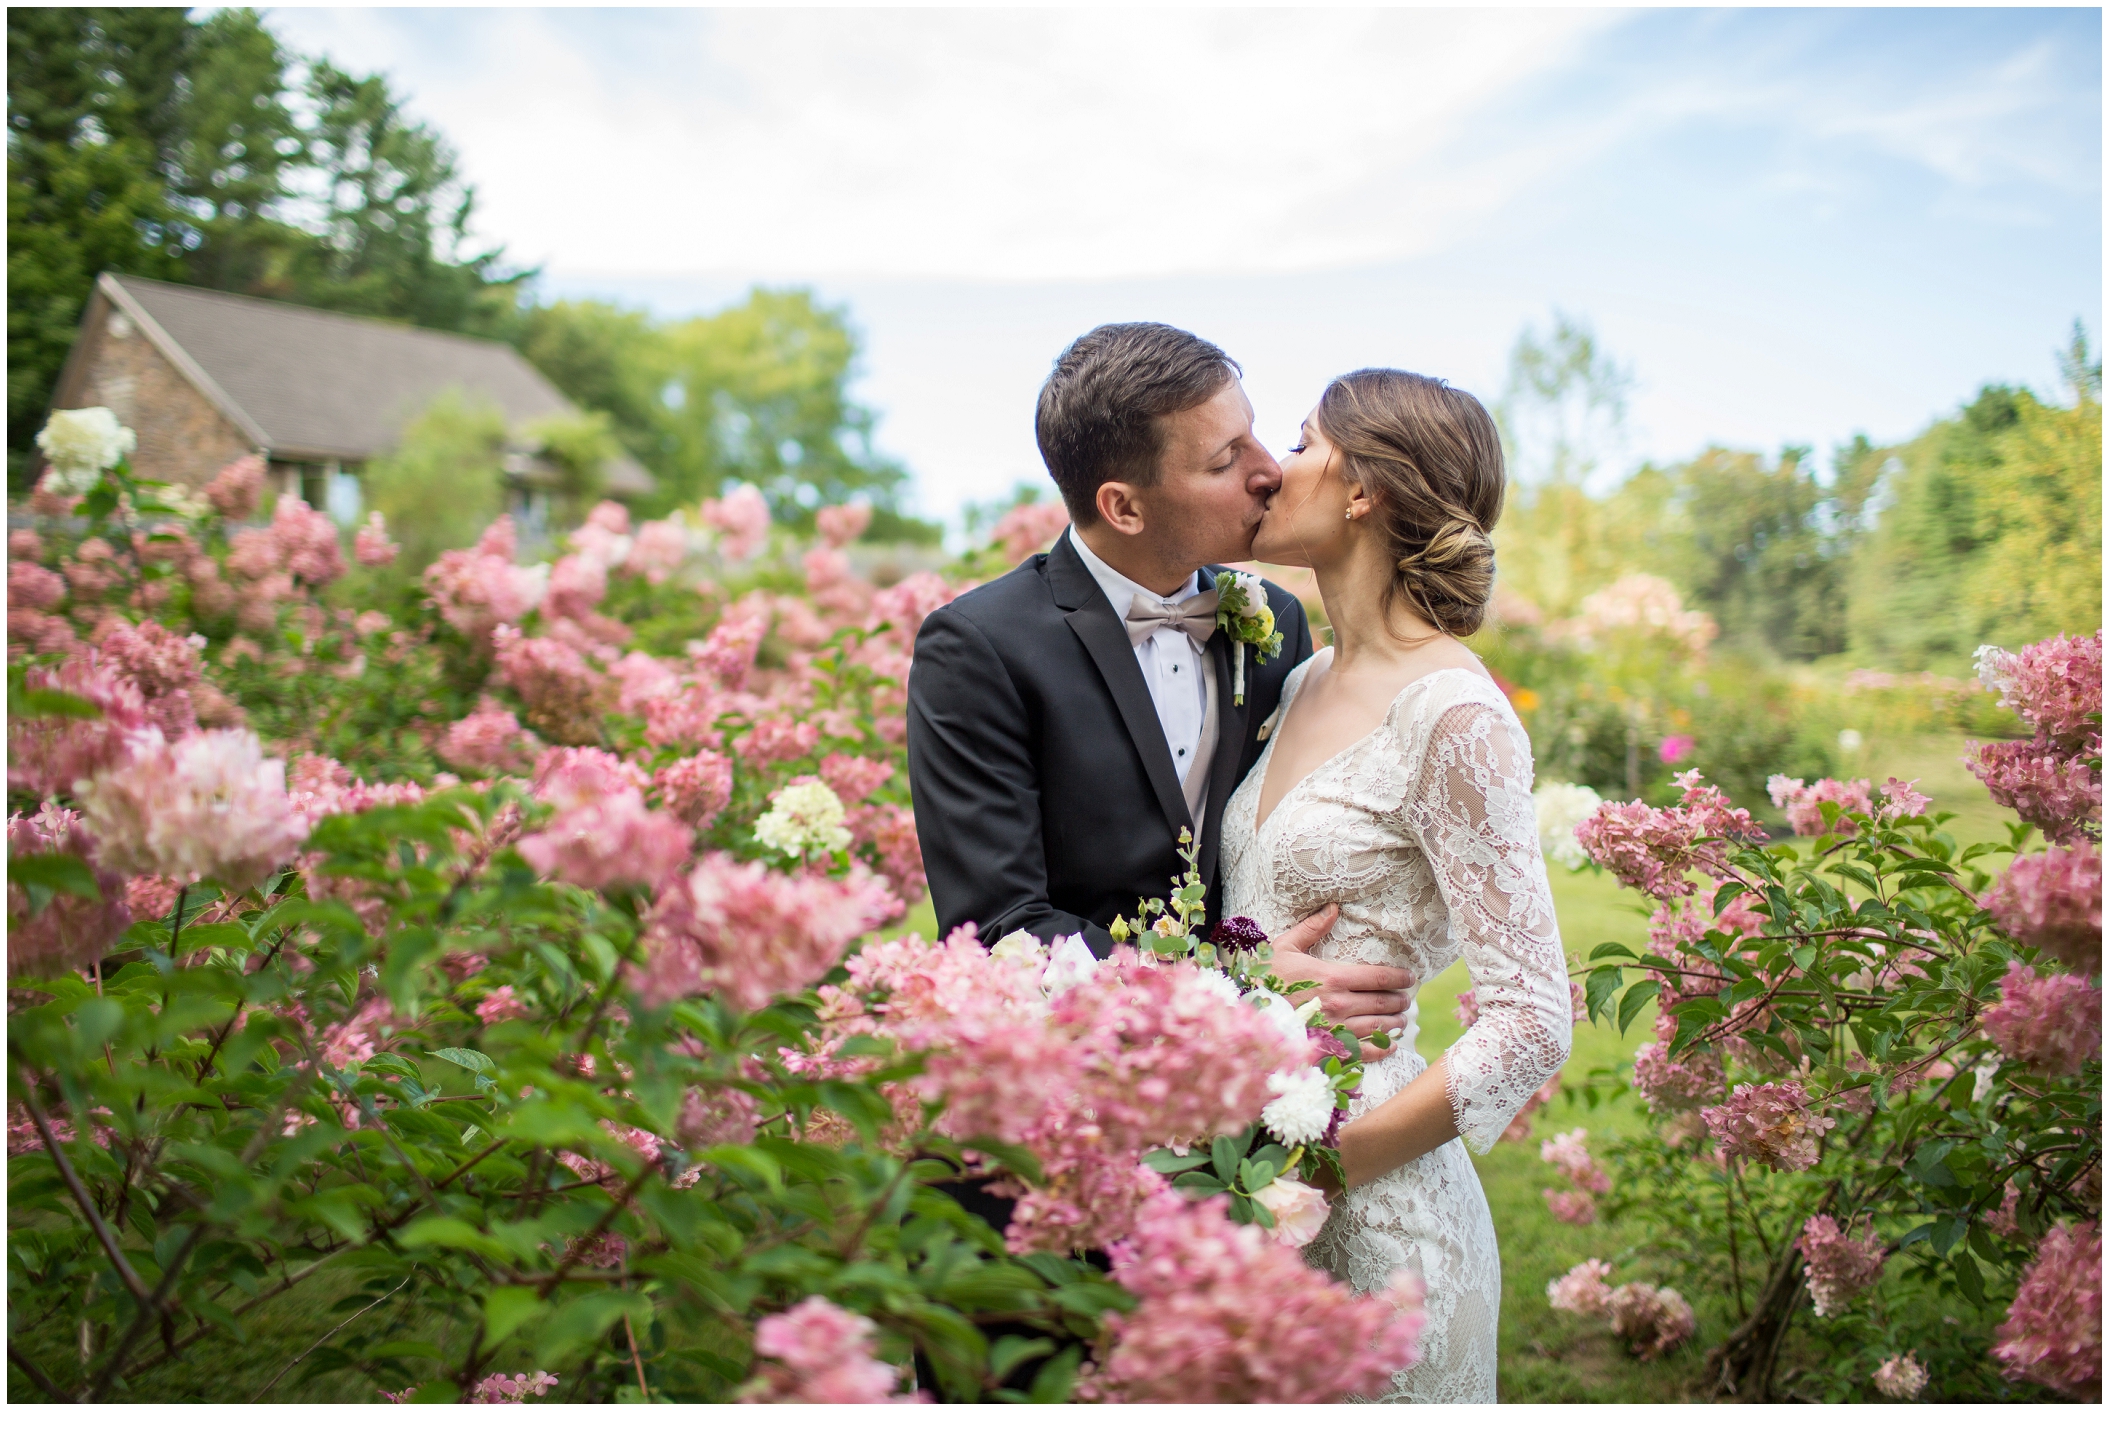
(1099, 411)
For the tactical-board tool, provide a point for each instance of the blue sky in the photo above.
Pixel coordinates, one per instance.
(1792, 225)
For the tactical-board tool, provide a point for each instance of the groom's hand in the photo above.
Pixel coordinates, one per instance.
(1365, 998)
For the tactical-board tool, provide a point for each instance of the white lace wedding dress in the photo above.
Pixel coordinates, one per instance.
(1423, 832)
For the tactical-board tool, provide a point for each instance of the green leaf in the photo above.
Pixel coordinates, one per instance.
(51, 702)
(505, 1310)
(1057, 1377)
(1727, 893)
(1636, 998)
(1947, 1232)
(232, 936)
(1200, 1185)
(1969, 1279)
(467, 1058)
(1255, 1174)
(1612, 950)
(1224, 1155)
(451, 1233)
(574, 1328)
(1602, 984)
(53, 872)
(392, 1063)
(1166, 1161)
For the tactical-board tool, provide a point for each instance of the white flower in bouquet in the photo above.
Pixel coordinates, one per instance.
(1221, 984)
(1280, 1012)
(807, 817)
(1562, 807)
(82, 445)
(1299, 1211)
(1069, 963)
(1302, 1107)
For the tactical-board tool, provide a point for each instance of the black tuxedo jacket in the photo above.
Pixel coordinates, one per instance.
(1045, 796)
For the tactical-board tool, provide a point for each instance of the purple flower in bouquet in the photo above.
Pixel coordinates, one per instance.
(1238, 935)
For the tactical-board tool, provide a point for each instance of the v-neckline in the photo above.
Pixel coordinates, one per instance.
(1259, 823)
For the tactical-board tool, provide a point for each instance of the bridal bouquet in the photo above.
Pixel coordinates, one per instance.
(1265, 1168)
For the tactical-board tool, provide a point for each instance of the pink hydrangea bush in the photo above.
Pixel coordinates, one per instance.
(1654, 849)
(2054, 778)
(2053, 900)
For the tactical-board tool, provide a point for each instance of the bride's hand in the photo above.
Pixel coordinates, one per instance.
(1366, 998)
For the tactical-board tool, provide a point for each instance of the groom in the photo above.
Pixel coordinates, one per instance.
(1068, 719)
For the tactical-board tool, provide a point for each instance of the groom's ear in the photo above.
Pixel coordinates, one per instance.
(1120, 507)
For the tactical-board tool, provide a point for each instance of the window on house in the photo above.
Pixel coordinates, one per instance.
(343, 497)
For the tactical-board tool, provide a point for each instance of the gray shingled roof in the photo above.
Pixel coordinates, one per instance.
(308, 383)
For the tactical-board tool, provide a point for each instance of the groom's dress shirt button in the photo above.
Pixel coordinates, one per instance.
(1179, 691)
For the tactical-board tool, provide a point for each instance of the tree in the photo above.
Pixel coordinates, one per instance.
(1564, 405)
(759, 392)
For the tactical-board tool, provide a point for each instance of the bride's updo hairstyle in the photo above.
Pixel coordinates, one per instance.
(1431, 456)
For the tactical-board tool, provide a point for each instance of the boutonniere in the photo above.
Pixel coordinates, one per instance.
(1244, 616)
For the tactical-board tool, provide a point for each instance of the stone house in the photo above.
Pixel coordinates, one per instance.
(205, 377)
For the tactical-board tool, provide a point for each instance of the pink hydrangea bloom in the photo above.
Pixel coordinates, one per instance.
(372, 546)
(715, 1116)
(854, 778)
(490, 739)
(237, 489)
(563, 695)
(1676, 747)
(728, 652)
(1226, 1317)
(742, 519)
(687, 718)
(163, 665)
(819, 1353)
(841, 525)
(2053, 901)
(499, 1004)
(151, 897)
(1570, 1206)
(497, 1389)
(306, 543)
(659, 550)
(1651, 1320)
(640, 676)
(568, 777)
(1677, 1085)
(609, 841)
(54, 754)
(25, 545)
(2049, 1024)
(1582, 1290)
(695, 789)
(2058, 793)
(1901, 1376)
(207, 805)
(1651, 849)
(609, 516)
(1569, 1152)
(577, 583)
(2052, 1334)
(478, 588)
(751, 934)
(2054, 685)
(909, 600)
(1840, 1266)
(1029, 527)
(1802, 802)
(1901, 800)
(1769, 1123)
(776, 738)
(68, 931)
(891, 831)
(33, 588)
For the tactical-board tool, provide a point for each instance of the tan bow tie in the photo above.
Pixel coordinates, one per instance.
(1196, 616)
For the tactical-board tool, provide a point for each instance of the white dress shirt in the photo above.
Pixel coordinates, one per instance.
(1174, 668)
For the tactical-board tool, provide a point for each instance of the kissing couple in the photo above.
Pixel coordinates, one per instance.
(1368, 804)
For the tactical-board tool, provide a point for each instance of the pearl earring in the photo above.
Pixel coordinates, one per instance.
(1350, 513)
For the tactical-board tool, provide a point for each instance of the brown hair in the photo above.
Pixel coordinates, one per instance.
(1098, 415)
(1432, 457)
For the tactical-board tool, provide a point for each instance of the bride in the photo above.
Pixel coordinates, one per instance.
(1396, 783)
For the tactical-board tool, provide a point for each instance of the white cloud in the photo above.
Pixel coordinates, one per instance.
(998, 145)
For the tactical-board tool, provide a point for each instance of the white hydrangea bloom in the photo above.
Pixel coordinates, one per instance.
(807, 817)
(82, 445)
(1562, 807)
(1302, 1106)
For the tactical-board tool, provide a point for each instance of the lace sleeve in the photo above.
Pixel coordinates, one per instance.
(1470, 808)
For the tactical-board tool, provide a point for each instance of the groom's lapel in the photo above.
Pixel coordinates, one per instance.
(1105, 637)
(1230, 747)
